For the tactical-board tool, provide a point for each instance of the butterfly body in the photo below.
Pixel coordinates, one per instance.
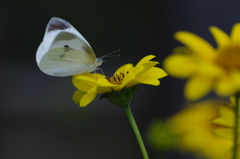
(64, 51)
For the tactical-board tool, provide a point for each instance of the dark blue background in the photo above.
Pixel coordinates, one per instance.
(39, 118)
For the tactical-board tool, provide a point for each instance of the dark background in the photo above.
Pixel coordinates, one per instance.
(38, 117)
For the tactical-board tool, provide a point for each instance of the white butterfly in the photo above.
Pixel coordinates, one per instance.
(64, 51)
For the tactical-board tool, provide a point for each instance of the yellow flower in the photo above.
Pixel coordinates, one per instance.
(89, 85)
(160, 136)
(194, 128)
(207, 67)
(226, 122)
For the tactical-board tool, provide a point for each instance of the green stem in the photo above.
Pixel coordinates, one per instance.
(129, 114)
(236, 126)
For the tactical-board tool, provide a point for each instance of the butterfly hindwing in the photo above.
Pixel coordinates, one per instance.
(67, 54)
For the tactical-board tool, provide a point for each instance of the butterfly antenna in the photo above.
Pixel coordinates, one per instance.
(107, 55)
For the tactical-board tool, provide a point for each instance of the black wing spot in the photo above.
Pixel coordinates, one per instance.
(67, 48)
(57, 24)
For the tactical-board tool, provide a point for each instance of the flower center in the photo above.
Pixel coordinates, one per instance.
(117, 79)
(229, 58)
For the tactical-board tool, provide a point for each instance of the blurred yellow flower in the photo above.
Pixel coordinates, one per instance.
(207, 67)
(226, 120)
(89, 85)
(194, 128)
(160, 136)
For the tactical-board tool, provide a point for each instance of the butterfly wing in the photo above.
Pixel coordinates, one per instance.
(64, 51)
(68, 55)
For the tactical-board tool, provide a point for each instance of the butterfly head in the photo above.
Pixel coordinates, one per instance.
(98, 62)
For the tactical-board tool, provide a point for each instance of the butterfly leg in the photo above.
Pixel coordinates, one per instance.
(97, 69)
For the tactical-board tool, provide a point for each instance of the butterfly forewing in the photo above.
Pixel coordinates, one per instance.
(54, 27)
(69, 41)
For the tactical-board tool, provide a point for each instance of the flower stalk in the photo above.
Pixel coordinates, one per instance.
(235, 142)
(131, 119)
(123, 99)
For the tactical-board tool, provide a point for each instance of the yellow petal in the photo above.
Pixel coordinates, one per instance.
(147, 80)
(145, 59)
(89, 76)
(155, 72)
(198, 45)
(180, 65)
(146, 67)
(130, 77)
(105, 86)
(207, 68)
(220, 37)
(235, 78)
(149, 64)
(83, 85)
(87, 98)
(235, 34)
(225, 86)
(197, 87)
(77, 96)
(102, 90)
(224, 132)
(183, 50)
(228, 84)
(105, 83)
(123, 69)
(226, 117)
(86, 78)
